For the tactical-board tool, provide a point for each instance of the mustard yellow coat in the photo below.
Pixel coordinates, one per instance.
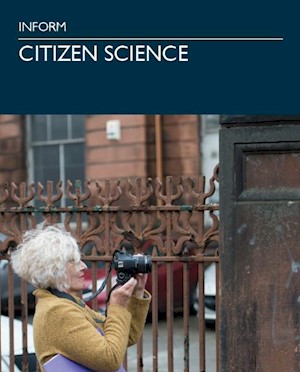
(64, 327)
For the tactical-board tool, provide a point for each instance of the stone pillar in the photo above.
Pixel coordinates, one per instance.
(260, 243)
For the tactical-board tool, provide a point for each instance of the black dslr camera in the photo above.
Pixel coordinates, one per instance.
(127, 265)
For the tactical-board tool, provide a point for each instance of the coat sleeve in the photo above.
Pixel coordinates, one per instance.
(75, 337)
(139, 309)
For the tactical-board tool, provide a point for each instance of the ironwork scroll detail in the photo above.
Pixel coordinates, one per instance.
(109, 214)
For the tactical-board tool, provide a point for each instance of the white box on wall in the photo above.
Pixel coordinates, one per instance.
(113, 130)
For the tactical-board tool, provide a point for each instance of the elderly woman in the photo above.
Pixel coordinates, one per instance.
(49, 258)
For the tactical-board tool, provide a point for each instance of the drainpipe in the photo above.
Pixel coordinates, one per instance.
(158, 151)
(158, 147)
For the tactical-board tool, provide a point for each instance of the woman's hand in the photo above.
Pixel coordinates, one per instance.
(121, 295)
(135, 286)
(140, 286)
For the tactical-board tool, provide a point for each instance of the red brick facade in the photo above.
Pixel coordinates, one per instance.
(12, 149)
(181, 145)
(110, 158)
(132, 156)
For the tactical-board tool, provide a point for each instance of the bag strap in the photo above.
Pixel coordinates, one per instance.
(66, 295)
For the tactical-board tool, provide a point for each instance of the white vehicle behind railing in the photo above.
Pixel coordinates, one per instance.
(18, 345)
(209, 294)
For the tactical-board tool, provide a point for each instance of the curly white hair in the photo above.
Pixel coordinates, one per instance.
(42, 256)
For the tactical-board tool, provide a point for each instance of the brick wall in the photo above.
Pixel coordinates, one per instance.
(12, 149)
(116, 158)
(134, 154)
(181, 146)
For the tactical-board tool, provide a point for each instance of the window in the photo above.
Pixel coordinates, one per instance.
(56, 149)
(210, 123)
(210, 126)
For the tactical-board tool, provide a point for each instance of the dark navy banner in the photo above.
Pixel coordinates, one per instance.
(154, 57)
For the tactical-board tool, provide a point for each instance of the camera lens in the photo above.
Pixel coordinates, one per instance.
(144, 264)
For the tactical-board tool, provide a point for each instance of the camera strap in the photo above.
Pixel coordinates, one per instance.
(99, 290)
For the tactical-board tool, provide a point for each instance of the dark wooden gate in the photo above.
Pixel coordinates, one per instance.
(259, 248)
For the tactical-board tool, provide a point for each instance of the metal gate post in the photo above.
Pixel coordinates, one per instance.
(259, 243)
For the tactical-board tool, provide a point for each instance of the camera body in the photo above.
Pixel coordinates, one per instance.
(127, 265)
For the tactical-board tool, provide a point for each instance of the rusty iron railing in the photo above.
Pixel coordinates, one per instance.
(169, 217)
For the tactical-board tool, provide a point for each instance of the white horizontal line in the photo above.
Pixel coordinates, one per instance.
(150, 39)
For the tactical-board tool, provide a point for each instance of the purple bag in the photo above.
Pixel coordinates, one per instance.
(61, 363)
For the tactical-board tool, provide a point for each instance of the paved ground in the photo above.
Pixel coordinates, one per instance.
(178, 348)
